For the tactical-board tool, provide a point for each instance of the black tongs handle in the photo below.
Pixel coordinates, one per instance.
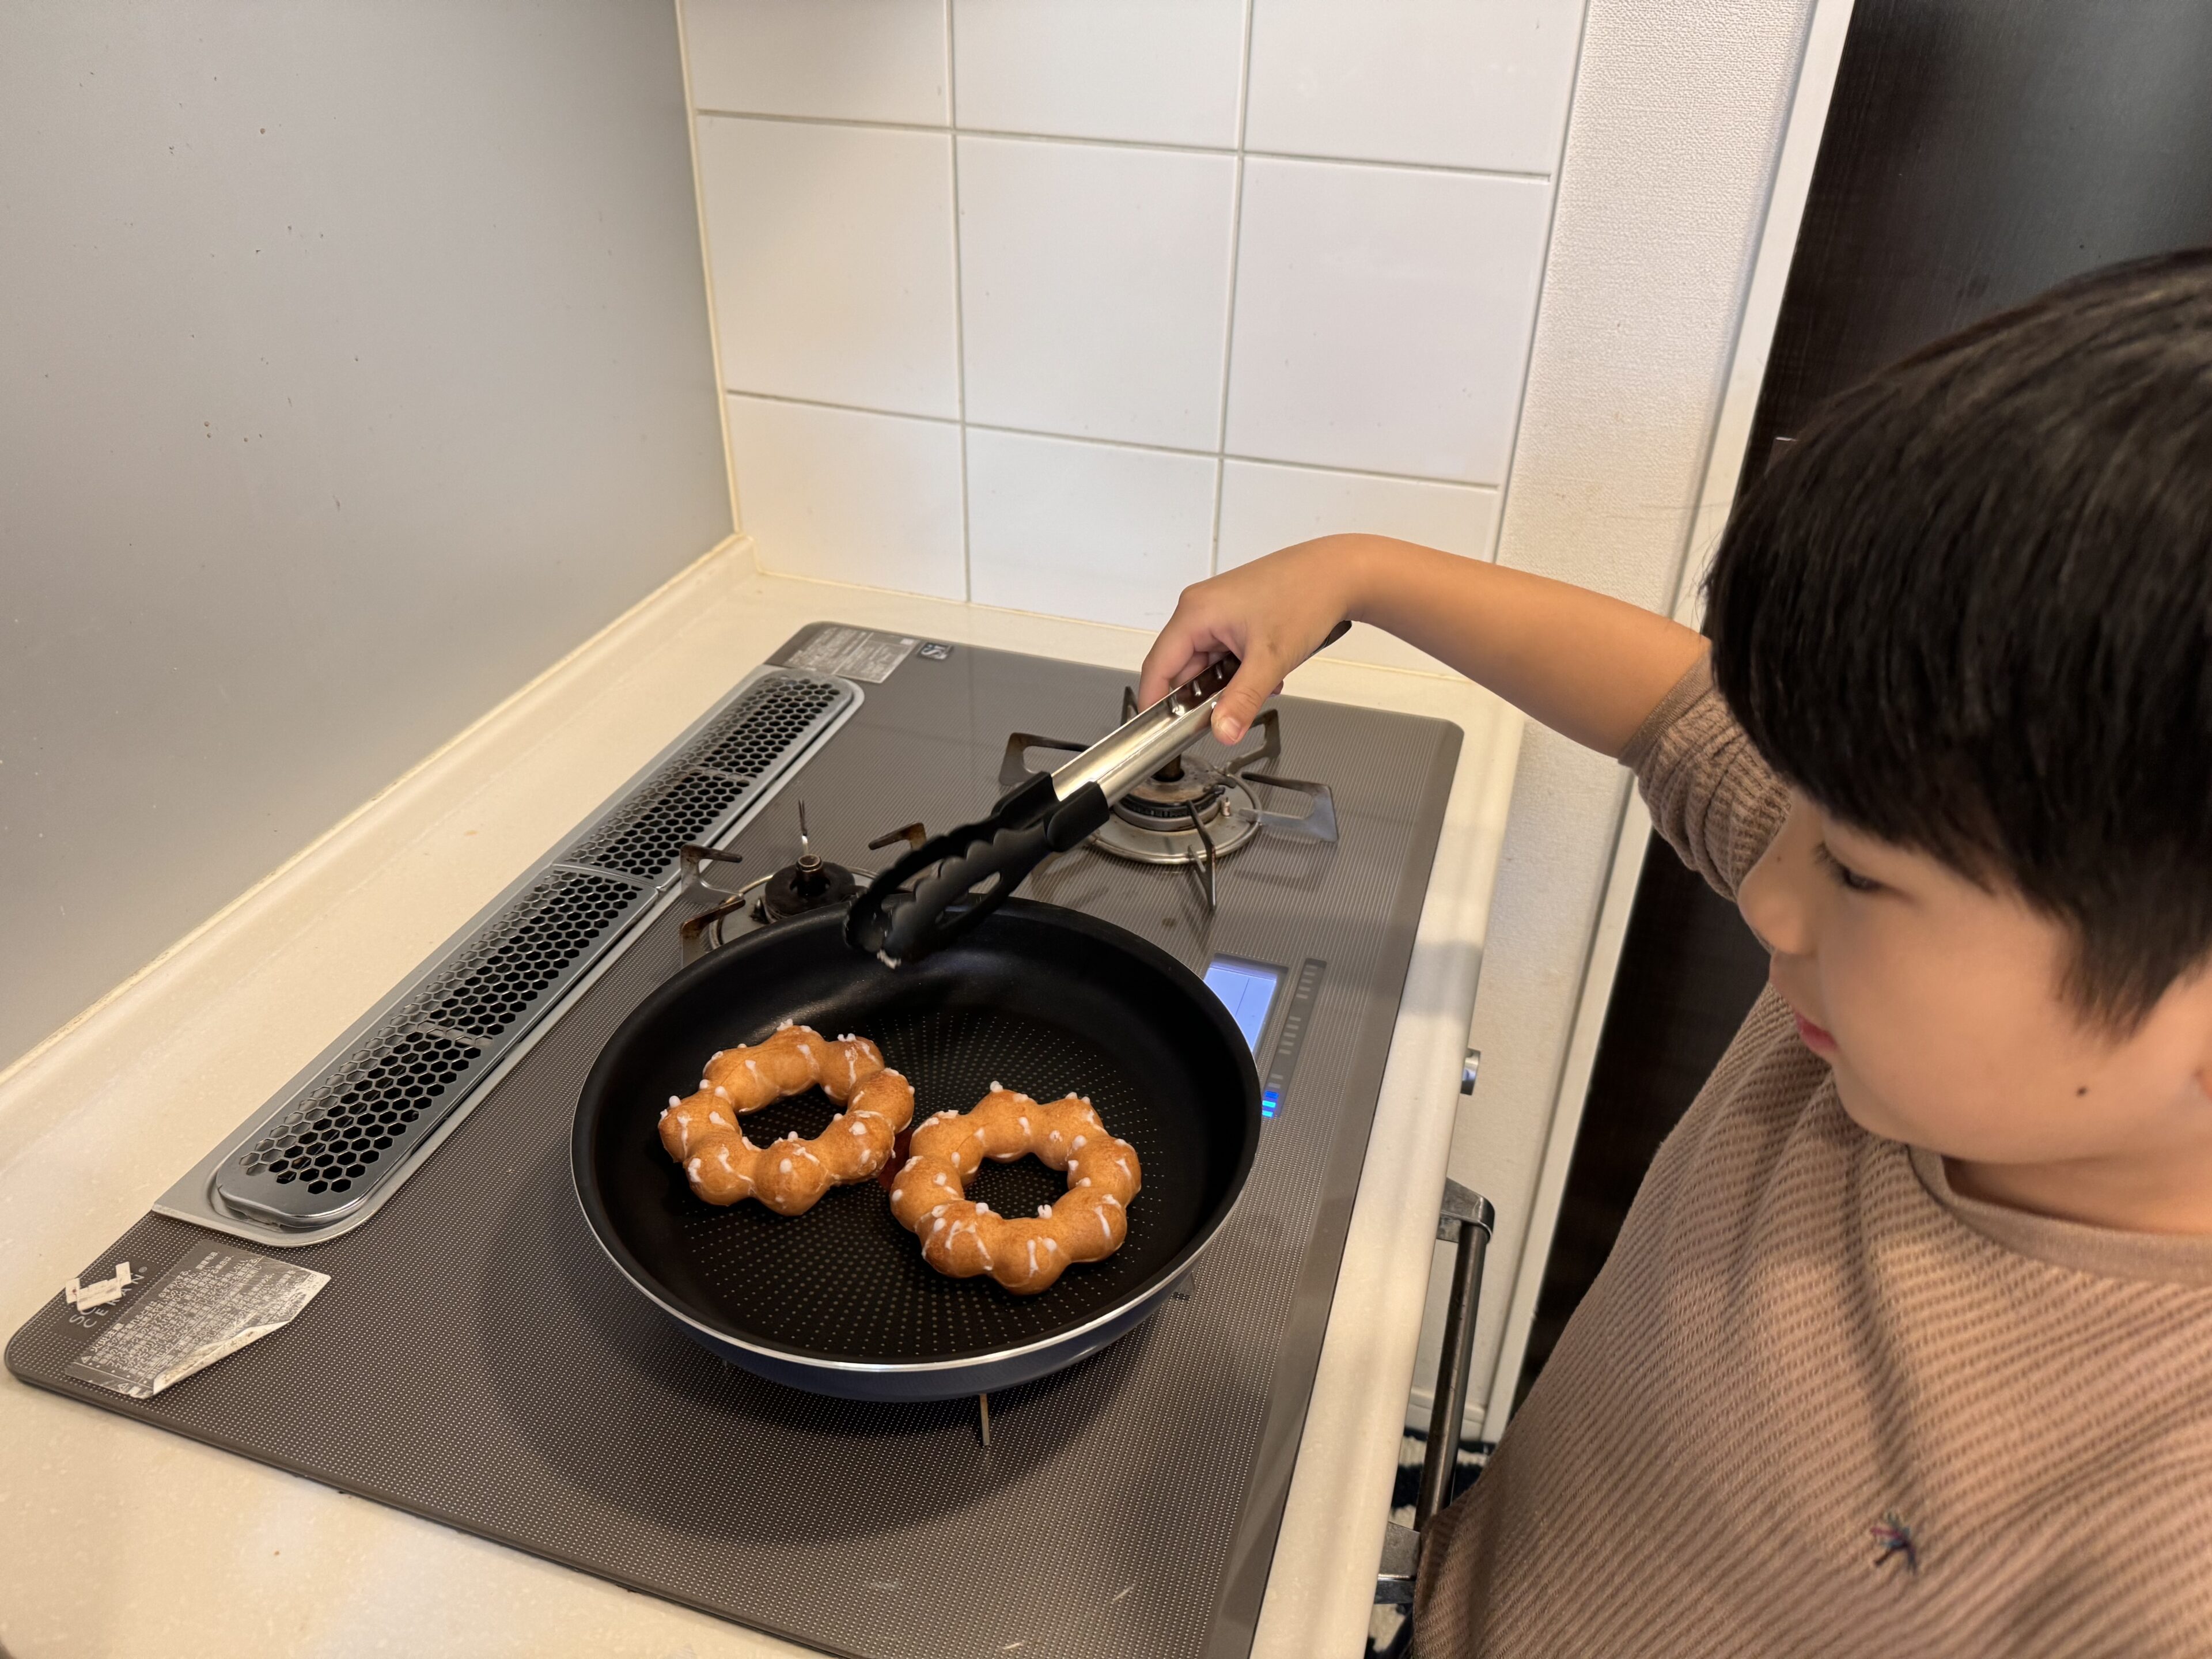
(999, 850)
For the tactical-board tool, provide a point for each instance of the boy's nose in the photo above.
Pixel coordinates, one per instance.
(1773, 898)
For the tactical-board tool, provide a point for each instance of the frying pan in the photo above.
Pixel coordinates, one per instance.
(838, 1300)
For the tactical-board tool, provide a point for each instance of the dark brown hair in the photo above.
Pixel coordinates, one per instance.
(1970, 611)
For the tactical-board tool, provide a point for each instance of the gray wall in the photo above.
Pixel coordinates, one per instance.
(354, 365)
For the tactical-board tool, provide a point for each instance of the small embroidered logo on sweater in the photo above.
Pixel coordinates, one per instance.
(1893, 1543)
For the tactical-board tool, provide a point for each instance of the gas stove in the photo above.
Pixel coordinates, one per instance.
(1191, 813)
(475, 1359)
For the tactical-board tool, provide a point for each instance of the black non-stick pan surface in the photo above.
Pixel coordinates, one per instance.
(1046, 1000)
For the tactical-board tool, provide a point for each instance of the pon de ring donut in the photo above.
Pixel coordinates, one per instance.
(1026, 1255)
(701, 1132)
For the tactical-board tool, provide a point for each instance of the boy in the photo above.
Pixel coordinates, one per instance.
(1905, 1347)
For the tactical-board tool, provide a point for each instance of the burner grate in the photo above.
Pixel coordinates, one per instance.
(348, 1132)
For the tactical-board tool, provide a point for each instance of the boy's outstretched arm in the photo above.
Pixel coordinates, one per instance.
(1585, 664)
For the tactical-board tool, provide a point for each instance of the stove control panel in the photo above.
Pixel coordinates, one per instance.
(1252, 992)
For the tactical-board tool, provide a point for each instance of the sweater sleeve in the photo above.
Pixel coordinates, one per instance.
(1711, 796)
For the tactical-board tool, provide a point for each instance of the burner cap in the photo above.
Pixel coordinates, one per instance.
(1160, 801)
(809, 884)
(1146, 829)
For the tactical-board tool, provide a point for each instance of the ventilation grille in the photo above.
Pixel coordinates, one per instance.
(698, 787)
(350, 1128)
(400, 1082)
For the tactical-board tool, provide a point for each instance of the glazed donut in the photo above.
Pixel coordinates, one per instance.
(1025, 1256)
(701, 1131)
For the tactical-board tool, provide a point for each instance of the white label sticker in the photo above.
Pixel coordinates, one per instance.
(857, 654)
(206, 1306)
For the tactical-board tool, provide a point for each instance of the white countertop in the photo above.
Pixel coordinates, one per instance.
(116, 1539)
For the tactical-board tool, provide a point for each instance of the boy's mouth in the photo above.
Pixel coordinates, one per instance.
(1814, 1037)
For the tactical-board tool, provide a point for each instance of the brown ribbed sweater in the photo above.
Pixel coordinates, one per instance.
(1802, 1336)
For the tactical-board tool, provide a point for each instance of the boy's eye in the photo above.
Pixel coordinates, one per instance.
(1845, 875)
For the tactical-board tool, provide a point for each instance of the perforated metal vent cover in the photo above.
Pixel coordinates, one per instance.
(352, 1126)
(707, 777)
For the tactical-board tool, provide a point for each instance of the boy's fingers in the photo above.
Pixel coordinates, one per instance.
(1239, 706)
(1173, 658)
(1157, 683)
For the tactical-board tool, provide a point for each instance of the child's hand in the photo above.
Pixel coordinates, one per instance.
(1273, 613)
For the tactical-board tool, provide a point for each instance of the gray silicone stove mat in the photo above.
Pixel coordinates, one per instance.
(475, 1359)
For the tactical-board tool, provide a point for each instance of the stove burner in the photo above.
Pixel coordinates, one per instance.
(806, 885)
(1190, 813)
(1171, 821)
(809, 884)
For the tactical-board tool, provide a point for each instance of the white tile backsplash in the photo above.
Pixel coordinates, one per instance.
(1094, 531)
(1266, 508)
(1095, 289)
(1189, 279)
(1383, 317)
(849, 60)
(833, 262)
(851, 496)
(1465, 83)
(1162, 71)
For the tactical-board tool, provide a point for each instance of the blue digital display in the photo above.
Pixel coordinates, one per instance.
(1248, 990)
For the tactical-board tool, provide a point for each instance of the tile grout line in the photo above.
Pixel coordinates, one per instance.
(1229, 321)
(1543, 271)
(959, 304)
(1131, 144)
(1114, 443)
(707, 276)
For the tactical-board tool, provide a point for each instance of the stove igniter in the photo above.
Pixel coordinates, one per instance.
(811, 884)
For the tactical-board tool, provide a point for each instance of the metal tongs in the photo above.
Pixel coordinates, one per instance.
(967, 873)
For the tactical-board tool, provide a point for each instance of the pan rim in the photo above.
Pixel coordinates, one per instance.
(612, 1244)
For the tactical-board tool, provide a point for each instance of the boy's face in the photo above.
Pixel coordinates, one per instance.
(1940, 1007)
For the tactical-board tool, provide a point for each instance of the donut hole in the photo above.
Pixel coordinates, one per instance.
(1015, 1189)
(807, 1113)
